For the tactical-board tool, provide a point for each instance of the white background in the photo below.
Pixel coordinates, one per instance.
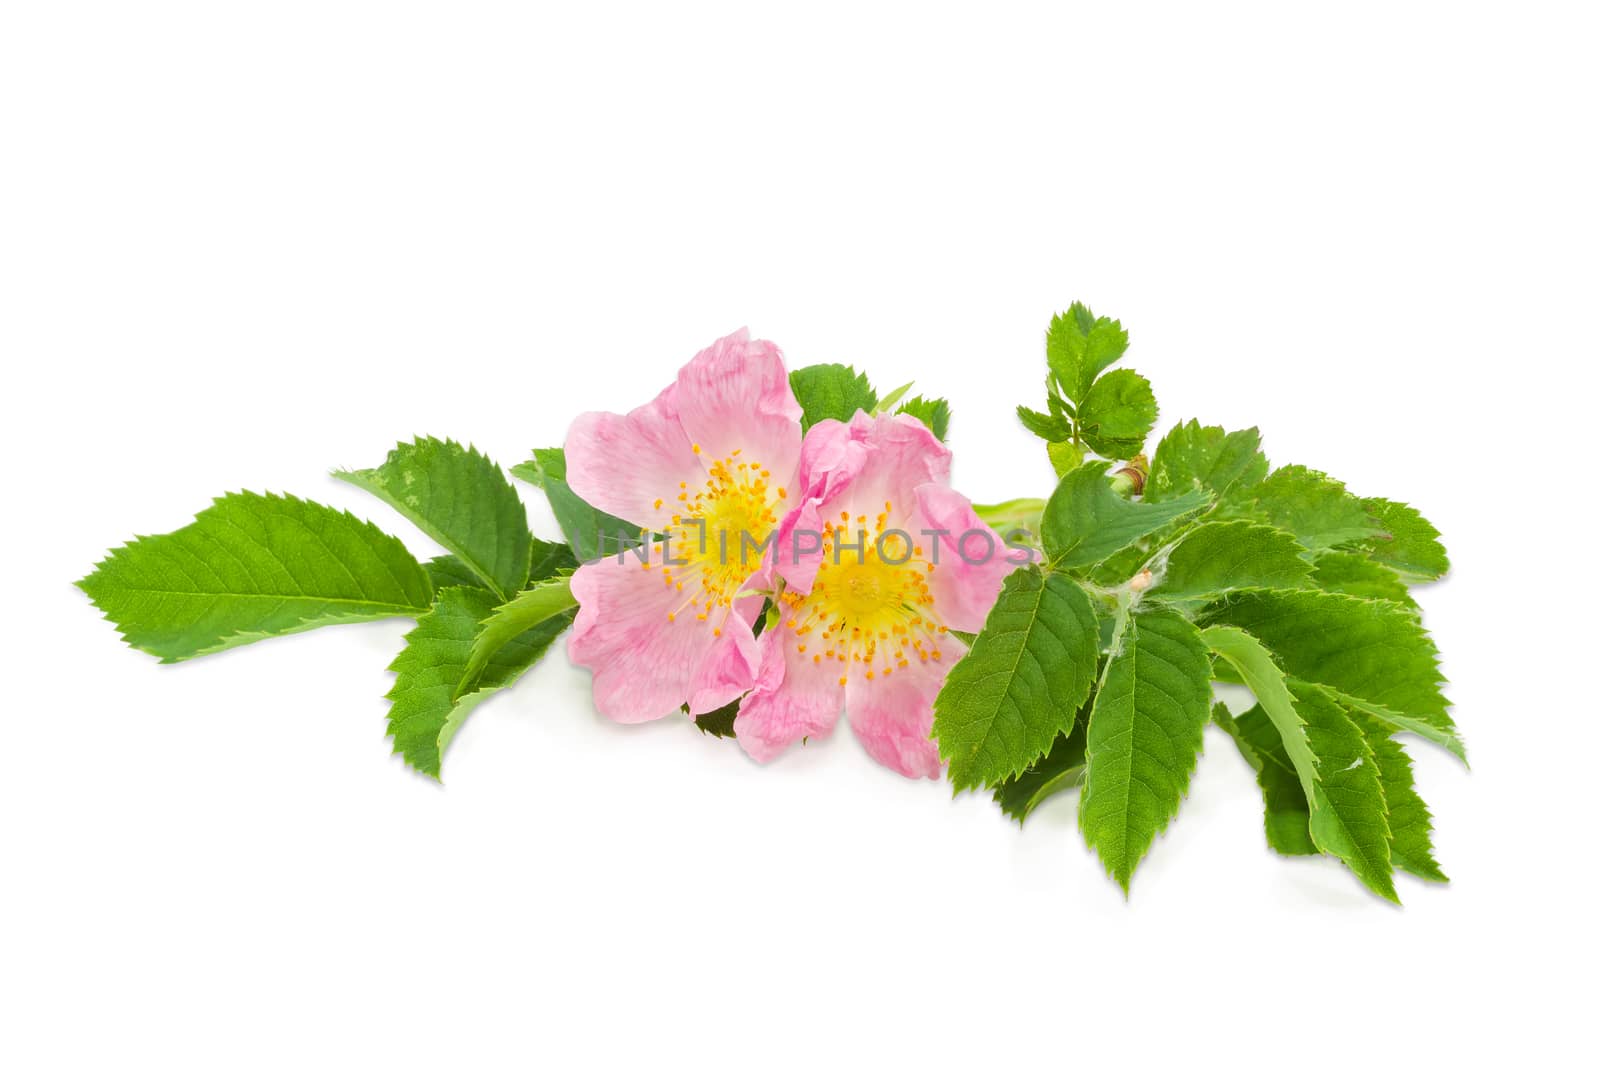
(243, 244)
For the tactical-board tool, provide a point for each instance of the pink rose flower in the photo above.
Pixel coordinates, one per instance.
(881, 560)
(721, 446)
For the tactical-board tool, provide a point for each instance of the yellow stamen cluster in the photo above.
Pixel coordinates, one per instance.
(734, 500)
(870, 610)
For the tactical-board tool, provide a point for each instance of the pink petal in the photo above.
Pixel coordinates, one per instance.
(797, 552)
(865, 466)
(794, 697)
(902, 454)
(646, 667)
(735, 396)
(632, 465)
(892, 715)
(972, 559)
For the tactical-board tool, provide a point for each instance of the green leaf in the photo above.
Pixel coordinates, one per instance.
(1287, 813)
(1218, 558)
(550, 558)
(1347, 573)
(254, 566)
(1064, 456)
(449, 571)
(1059, 770)
(1410, 823)
(1051, 428)
(1078, 347)
(1348, 817)
(589, 532)
(425, 710)
(1021, 683)
(1195, 457)
(1117, 414)
(831, 391)
(1145, 734)
(462, 501)
(1316, 509)
(933, 413)
(533, 607)
(1373, 653)
(719, 721)
(1407, 543)
(1085, 521)
(1255, 667)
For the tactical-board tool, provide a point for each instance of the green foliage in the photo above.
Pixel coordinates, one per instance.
(431, 695)
(1094, 669)
(1287, 810)
(1052, 428)
(254, 566)
(1108, 412)
(1374, 654)
(1348, 573)
(588, 531)
(462, 501)
(1410, 823)
(1064, 456)
(1079, 346)
(549, 559)
(1116, 415)
(1021, 683)
(1253, 665)
(1086, 521)
(1407, 543)
(933, 413)
(449, 571)
(1145, 733)
(1314, 508)
(1059, 770)
(1348, 817)
(831, 391)
(1195, 457)
(1227, 556)
(535, 606)
(719, 721)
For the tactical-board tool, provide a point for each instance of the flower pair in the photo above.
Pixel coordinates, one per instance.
(848, 543)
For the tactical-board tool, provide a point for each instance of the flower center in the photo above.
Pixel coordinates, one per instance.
(870, 606)
(715, 537)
